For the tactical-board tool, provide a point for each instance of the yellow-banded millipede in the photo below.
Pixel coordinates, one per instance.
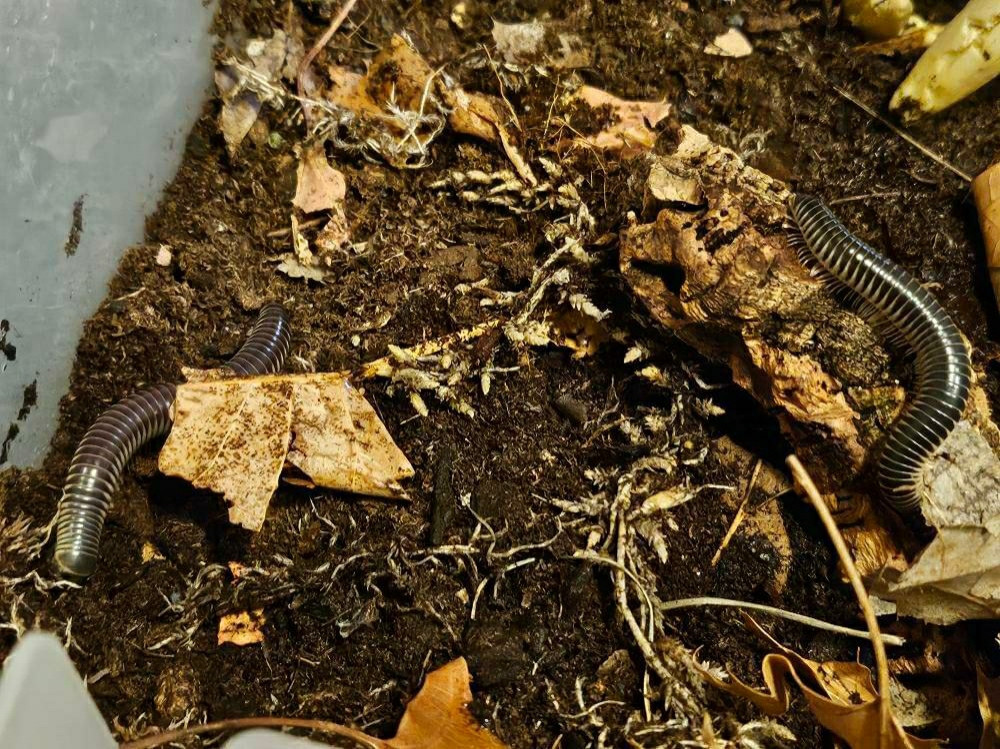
(888, 293)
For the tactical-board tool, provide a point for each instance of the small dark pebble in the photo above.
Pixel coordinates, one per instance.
(572, 409)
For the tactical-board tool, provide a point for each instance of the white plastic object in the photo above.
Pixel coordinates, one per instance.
(43, 701)
(261, 739)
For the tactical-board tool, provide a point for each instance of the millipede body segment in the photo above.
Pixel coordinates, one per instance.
(118, 433)
(891, 296)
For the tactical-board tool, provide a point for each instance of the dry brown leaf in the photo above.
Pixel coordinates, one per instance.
(244, 628)
(479, 115)
(437, 718)
(840, 695)
(399, 74)
(231, 436)
(986, 189)
(235, 437)
(630, 134)
(989, 709)
(320, 187)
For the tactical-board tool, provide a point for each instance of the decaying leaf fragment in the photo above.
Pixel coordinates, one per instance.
(244, 628)
(319, 186)
(957, 576)
(630, 129)
(548, 43)
(436, 718)
(236, 436)
(245, 86)
(840, 695)
(404, 104)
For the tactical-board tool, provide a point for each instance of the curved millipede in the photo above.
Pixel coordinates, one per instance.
(118, 433)
(895, 299)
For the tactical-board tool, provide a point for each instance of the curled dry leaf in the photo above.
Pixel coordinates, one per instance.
(244, 628)
(479, 115)
(235, 437)
(630, 131)
(840, 695)
(957, 577)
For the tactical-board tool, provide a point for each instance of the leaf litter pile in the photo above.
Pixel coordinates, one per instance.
(550, 351)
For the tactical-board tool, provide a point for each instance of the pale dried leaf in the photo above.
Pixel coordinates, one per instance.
(292, 267)
(231, 436)
(340, 443)
(320, 187)
(730, 44)
(235, 436)
(632, 132)
(244, 628)
(237, 117)
(549, 43)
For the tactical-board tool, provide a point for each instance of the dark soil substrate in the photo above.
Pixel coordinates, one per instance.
(353, 643)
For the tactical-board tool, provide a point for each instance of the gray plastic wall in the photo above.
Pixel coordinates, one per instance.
(96, 100)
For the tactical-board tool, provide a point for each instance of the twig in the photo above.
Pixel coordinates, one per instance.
(681, 603)
(235, 724)
(903, 134)
(805, 482)
(740, 513)
(300, 76)
(866, 196)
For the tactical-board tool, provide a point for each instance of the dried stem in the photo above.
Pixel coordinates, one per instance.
(805, 482)
(236, 724)
(682, 603)
(903, 134)
(300, 77)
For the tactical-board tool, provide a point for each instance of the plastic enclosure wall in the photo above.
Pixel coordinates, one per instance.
(96, 100)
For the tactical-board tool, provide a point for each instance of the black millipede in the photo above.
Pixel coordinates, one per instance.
(119, 432)
(893, 299)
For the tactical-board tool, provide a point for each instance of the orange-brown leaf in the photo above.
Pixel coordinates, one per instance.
(840, 695)
(437, 717)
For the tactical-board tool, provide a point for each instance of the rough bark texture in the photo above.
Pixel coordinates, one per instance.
(716, 268)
